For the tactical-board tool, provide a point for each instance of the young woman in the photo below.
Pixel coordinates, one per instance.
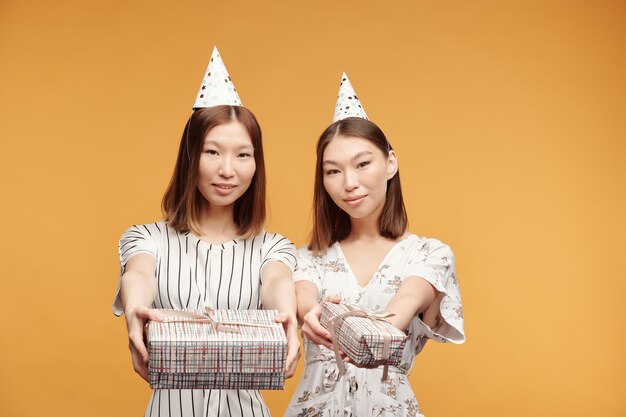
(209, 251)
(361, 253)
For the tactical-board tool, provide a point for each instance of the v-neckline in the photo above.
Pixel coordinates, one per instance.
(349, 268)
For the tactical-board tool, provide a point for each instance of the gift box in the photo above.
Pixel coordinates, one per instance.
(368, 339)
(225, 349)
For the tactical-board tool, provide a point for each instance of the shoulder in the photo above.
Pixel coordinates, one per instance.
(268, 237)
(316, 257)
(428, 246)
(271, 242)
(146, 230)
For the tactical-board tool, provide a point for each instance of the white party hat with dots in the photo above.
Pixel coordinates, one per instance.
(348, 104)
(217, 87)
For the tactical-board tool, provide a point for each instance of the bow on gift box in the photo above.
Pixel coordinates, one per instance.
(376, 320)
(173, 316)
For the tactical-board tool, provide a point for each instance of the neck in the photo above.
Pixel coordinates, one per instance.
(218, 222)
(365, 228)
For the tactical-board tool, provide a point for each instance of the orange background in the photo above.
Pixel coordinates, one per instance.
(509, 119)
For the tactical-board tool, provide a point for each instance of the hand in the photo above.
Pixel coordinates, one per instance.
(293, 343)
(135, 321)
(311, 327)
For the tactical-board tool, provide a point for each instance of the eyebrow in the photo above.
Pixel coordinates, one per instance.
(214, 143)
(357, 156)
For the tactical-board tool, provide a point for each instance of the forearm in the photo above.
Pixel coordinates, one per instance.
(279, 294)
(306, 293)
(413, 297)
(137, 290)
(404, 309)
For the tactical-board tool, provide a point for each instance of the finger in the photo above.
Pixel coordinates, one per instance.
(319, 329)
(149, 314)
(136, 343)
(139, 366)
(313, 337)
(281, 317)
(294, 364)
(293, 344)
(292, 369)
(292, 358)
(333, 298)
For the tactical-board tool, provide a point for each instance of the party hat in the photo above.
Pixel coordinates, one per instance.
(348, 104)
(217, 87)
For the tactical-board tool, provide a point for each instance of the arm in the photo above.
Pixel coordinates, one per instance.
(137, 291)
(309, 312)
(278, 293)
(306, 293)
(414, 296)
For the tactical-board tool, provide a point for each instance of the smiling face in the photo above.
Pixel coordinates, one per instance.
(227, 165)
(355, 174)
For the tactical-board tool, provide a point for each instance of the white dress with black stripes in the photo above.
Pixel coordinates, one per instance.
(193, 274)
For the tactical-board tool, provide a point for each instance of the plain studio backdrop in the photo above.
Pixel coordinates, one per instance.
(509, 120)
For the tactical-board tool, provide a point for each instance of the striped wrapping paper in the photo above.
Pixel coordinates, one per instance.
(360, 339)
(188, 354)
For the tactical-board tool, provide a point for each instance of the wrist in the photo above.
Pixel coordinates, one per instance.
(291, 316)
(131, 309)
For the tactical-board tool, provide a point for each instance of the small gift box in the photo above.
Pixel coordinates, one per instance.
(367, 338)
(225, 349)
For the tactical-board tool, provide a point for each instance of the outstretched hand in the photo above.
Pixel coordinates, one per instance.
(293, 343)
(135, 322)
(311, 327)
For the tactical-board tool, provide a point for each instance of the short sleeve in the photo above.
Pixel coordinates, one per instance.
(306, 270)
(137, 239)
(434, 262)
(278, 248)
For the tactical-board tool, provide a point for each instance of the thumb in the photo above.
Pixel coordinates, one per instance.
(281, 317)
(149, 314)
(333, 298)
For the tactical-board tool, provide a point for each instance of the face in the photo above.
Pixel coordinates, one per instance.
(356, 174)
(227, 164)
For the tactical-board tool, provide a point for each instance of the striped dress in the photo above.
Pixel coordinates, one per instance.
(193, 274)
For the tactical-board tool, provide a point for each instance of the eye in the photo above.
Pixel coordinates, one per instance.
(211, 152)
(332, 171)
(363, 164)
(244, 155)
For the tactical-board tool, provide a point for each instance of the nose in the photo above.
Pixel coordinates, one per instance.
(226, 168)
(351, 181)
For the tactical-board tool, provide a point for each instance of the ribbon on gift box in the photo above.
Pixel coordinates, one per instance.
(174, 316)
(376, 319)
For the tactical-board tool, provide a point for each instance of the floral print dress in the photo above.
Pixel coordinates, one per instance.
(360, 391)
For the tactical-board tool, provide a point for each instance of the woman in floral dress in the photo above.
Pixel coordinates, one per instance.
(361, 253)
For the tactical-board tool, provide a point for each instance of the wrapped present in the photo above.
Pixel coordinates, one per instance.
(367, 338)
(224, 349)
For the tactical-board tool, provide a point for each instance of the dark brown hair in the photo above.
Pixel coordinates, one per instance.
(330, 223)
(182, 203)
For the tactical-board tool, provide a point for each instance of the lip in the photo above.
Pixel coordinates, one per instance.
(354, 200)
(224, 188)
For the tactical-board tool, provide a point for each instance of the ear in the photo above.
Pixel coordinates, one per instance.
(392, 165)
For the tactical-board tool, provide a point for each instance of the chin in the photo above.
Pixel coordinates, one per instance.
(217, 200)
(355, 214)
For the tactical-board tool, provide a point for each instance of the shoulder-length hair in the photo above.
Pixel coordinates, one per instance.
(330, 223)
(183, 203)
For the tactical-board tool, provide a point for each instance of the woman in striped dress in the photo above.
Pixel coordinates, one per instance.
(209, 251)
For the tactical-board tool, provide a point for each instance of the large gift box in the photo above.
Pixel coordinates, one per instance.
(224, 349)
(368, 339)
